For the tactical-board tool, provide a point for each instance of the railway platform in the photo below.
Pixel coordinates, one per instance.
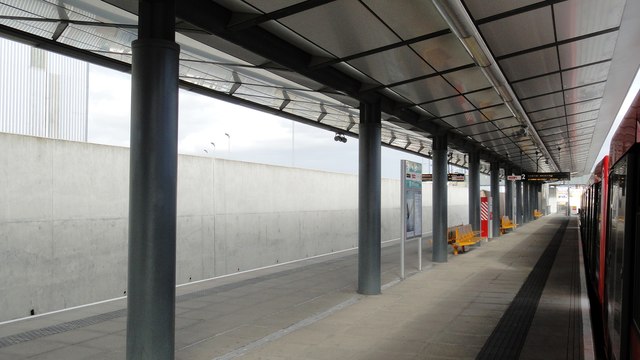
(520, 296)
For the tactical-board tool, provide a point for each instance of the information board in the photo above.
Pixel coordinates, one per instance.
(412, 197)
(411, 208)
(453, 177)
(549, 177)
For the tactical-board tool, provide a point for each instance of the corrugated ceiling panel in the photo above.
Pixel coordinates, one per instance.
(482, 8)
(580, 17)
(429, 89)
(547, 114)
(538, 86)
(588, 50)
(543, 102)
(519, 67)
(409, 19)
(448, 106)
(468, 79)
(484, 98)
(584, 93)
(443, 52)
(340, 36)
(408, 65)
(586, 75)
(497, 112)
(466, 119)
(519, 32)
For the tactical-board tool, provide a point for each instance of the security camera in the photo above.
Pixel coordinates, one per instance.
(524, 131)
(340, 137)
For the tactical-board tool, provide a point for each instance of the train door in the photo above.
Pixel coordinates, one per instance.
(595, 236)
(634, 331)
(623, 294)
(615, 256)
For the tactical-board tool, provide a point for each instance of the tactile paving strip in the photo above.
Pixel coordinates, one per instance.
(508, 337)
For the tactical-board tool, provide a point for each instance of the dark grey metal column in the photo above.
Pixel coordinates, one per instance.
(537, 196)
(439, 203)
(525, 202)
(474, 190)
(519, 214)
(152, 185)
(508, 196)
(369, 187)
(495, 194)
(534, 199)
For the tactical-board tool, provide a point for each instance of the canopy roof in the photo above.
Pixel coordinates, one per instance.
(533, 84)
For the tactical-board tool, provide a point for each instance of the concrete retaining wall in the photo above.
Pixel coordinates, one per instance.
(64, 206)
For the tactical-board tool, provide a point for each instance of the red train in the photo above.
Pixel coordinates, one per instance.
(610, 229)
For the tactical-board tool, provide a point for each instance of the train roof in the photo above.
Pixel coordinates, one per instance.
(600, 171)
(628, 133)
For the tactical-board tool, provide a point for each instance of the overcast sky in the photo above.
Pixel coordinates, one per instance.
(253, 136)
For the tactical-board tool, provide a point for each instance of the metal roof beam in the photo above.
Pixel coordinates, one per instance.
(243, 21)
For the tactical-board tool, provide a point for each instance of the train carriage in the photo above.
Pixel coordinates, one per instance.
(622, 273)
(611, 241)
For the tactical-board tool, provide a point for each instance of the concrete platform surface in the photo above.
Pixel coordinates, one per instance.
(310, 310)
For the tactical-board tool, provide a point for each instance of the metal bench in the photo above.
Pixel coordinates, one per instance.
(506, 223)
(461, 236)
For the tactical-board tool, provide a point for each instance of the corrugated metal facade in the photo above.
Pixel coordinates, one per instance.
(42, 93)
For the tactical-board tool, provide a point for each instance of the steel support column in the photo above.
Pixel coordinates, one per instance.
(508, 196)
(439, 203)
(495, 194)
(474, 190)
(519, 214)
(532, 205)
(152, 184)
(526, 208)
(369, 187)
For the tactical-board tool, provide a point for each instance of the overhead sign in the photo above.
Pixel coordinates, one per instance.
(514, 177)
(549, 177)
(450, 177)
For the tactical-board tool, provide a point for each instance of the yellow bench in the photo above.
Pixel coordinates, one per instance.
(506, 223)
(536, 213)
(460, 236)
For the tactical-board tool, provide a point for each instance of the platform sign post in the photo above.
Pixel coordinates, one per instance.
(484, 217)
(411, 208)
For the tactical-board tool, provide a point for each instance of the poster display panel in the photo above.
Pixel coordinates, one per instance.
(411, 208)
(412, 198)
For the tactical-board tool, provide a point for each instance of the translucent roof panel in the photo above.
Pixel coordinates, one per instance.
(567, 62)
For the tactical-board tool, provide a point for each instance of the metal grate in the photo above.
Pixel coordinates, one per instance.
(59, 328)
(92, 320)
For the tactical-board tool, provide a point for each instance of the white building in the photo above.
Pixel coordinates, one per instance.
(42, 93)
